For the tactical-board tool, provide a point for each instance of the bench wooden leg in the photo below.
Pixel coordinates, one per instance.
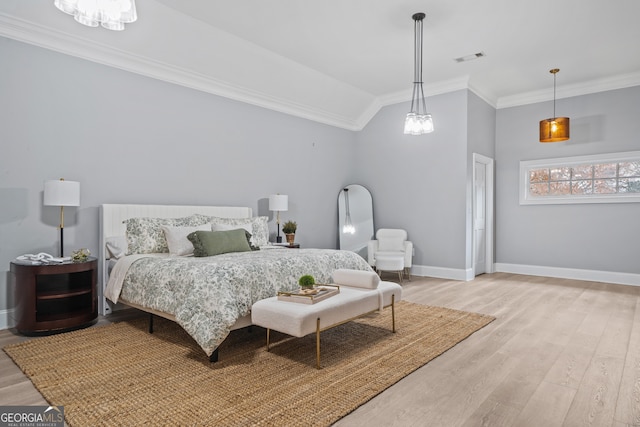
(393, 313)
(268, 330)
(318, 343)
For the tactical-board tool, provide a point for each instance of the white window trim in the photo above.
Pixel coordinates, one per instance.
(527, 165)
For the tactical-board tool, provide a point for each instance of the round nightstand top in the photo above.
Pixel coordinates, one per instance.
(28, 263)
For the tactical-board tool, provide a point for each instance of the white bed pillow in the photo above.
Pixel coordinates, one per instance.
(225, 227)
(116, 247)
(177, 240)
(257, 226)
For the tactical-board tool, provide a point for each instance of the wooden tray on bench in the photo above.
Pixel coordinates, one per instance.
(322, 292)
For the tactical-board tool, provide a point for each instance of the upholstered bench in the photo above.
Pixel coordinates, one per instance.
(361, 293)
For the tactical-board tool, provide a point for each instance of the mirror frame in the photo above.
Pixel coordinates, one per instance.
(361, 213)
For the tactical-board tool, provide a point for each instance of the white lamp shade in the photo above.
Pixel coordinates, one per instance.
(278, 202)
(61, 193)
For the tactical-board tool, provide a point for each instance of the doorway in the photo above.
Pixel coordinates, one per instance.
(482, 215)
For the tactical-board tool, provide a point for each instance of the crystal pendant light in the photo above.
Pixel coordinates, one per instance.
(418, 121)
(555, 129)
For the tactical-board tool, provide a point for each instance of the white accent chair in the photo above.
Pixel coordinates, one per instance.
(393, 251)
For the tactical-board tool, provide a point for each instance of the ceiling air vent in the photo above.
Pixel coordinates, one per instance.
(470, 57)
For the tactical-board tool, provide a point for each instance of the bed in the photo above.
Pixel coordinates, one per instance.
(208, 296)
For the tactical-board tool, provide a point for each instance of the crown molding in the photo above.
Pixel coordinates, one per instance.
(431, 89)
(568, 91)
(368, 114)
(73, 45)
(484, 95)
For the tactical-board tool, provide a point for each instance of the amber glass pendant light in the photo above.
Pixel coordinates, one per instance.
(555, 129)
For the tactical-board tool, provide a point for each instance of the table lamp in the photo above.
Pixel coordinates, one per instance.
(278, 203)
(61, 193)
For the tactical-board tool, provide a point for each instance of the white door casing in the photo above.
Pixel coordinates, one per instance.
(482, 215)
(479, 219)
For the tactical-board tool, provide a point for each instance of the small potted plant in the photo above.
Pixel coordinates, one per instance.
(289, 229)
(81, 255)
(306, 282)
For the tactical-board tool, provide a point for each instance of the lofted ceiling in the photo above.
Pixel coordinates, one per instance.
(339, 61)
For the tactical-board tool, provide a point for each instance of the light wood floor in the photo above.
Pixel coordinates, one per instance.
(560, 353)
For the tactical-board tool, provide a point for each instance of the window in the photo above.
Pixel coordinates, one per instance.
(603, 178)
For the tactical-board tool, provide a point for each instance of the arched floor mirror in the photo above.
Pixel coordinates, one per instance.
(355, 219)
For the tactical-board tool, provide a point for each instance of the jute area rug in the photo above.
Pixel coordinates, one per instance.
(119, 374)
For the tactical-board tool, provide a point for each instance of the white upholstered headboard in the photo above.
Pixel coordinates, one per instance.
(111, 225)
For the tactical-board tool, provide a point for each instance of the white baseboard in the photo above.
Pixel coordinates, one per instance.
(571, 273)
(7, 319)
(442, 272)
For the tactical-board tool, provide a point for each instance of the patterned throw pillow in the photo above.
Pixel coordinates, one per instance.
(145, 235)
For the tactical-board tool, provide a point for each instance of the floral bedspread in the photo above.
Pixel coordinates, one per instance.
(208, 294)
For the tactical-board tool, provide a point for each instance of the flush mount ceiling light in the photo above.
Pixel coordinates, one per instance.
(418, 121)
(555, 129)
(111, 14)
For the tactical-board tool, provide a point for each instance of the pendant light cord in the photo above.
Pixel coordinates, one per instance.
(554, 95)
(418, 90)
(554, 71)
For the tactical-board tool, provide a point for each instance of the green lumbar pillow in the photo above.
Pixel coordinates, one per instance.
(209, 243)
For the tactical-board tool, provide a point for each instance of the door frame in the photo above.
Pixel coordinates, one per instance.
(489, 214)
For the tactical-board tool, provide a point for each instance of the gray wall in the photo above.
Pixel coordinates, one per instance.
(481, 136)
(133, 139)
(418, 182)
(603, 237)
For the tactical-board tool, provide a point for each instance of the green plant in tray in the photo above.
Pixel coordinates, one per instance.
(307, 281)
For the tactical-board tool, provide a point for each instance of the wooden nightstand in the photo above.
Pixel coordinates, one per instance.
(55, 298)
(287, 245)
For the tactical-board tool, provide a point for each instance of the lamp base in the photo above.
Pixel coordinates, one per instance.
(61, 242)
(279, 239)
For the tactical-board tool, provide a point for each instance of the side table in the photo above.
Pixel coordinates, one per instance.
(287, 245)
(54, 298)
